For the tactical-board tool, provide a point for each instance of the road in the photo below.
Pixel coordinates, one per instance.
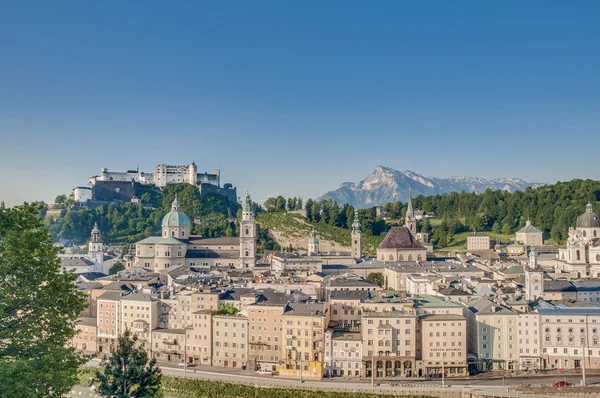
(498, 386)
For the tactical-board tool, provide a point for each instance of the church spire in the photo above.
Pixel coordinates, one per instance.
(175, 205)
(410, 212)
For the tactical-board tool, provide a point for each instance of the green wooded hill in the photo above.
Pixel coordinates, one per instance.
(130, 222)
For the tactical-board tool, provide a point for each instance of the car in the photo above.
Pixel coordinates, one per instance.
(264, 372)
(560, 383)
(182, 364)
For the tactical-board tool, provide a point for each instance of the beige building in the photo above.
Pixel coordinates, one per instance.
(265, 343)
(140, 315)
(493, 335)
(169, 345)
(389, 339)
(478, 241)
(199, 337)
(108, 321)
(345, 306)
(530, 235)
(304, 335)
(343, 353)
(85, 334)
(230, 341)
(529, 340)
(444, 339)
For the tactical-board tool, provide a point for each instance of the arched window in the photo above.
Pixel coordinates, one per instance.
(247, 231)
(172, 233)
(410, 257)
(419, 258)
(584, 234)
(597, 257)
(391, 257)
(578, 255)
(595, 233)
(182, 233)
(401, 258)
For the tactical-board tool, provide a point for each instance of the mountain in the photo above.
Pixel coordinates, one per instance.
(385, 185)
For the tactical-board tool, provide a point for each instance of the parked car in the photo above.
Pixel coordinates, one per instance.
(264, 372)
(560, 383)
(182, 364)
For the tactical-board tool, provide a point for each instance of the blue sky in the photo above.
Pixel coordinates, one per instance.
(294, 98)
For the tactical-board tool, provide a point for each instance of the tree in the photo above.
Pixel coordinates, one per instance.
(38, 309)
(376, 277)
(117, 266)
(128, 372)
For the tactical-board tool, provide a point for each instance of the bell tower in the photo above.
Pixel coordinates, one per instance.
(96, 250)
(356, 237)
(247, 236)
(534, 278)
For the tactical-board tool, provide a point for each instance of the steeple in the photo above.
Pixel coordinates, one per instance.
(248, 207)
(356, 227)
(589, 208)
(409, 210)
(95, 237)
(409, 220)
(532, 258)
(175, 205)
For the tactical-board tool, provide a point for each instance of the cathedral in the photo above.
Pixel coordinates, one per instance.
(177, 247)
(580, 257)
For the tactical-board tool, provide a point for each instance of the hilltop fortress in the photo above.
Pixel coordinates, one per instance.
(123, 186)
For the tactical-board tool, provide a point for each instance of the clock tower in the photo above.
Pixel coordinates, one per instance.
(247, 236)
(534, 279)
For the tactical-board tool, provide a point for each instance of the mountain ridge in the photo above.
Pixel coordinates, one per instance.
(385, 185)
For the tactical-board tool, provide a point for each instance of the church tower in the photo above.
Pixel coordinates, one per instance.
(356, 237)
(95, 250)
(410, 220)
(313, 244)
(534, 278)
(247, 236)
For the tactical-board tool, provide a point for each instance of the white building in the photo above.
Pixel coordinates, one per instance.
(82, 194)
(478, 241)
(162, 176)
(529, 235)
(581, 255)
(247, 236)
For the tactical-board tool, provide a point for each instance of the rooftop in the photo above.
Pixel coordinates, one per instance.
(442, 317)
(400, 238)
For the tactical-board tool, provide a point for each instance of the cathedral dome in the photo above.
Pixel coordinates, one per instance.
(589, 219)
(175, 218)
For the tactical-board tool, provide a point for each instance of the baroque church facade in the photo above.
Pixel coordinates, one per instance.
(580, 257)
(177, 247)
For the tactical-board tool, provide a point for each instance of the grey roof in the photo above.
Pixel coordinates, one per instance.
(158, 240)
(451, 291)
(171, 331)
(90, 276)
(207, 253)
(558, 286)
(486, 307)
(477, 234)
(345, 334)
(86, 321)
(138, 297)
(442, 317)
(587, 286)
(515, 269)
(75, 262)
(400, 238)
(528, 229)
(112, 296)
(302, 309)
(351, 282)
(349, 294)
(589, 219)
(569, 311)
(224, 241)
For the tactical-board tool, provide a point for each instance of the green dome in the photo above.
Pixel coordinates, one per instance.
(175, 218)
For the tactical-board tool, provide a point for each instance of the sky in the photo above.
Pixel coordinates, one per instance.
(295, 98)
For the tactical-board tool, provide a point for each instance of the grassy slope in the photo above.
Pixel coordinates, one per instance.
(293, 228)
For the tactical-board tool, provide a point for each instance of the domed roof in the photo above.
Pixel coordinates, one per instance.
(175, 218)
(589, 219)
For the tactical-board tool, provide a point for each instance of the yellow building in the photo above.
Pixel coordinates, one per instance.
(304, 335)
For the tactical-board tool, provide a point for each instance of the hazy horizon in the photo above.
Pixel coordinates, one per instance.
(295, 99)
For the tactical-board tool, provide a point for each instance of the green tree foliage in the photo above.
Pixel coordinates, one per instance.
(38, 310)
(227, 309)
(117, 266)
(128, 372)
(376, 277)
(131, 222)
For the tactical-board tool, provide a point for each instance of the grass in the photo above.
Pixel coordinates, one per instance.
(194, 388)
(297, 227)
